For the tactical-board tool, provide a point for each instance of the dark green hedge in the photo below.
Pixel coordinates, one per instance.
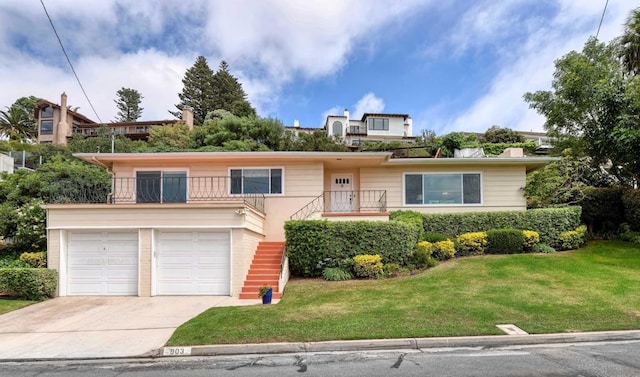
(310, 242)
(548, 222)
(602, 208)
(631, 202)
(505, 241)
(29, 283)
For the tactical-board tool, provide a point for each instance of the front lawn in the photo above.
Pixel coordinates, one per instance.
(7, 305)
(594, 288)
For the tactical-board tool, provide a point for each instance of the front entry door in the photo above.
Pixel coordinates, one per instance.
(342, 196)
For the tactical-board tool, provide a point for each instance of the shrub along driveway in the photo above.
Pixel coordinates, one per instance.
(594, 288)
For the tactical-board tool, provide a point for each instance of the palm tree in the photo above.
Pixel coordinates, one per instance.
(14, 124)
(630, 43)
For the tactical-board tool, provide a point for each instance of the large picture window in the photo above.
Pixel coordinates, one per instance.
(161, 187)
(46, 127)
(256, 181)
(378, 124)
(442, 188)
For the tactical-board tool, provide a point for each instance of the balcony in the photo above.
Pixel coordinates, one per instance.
(154, 190)
(345, 202)
(357, 130)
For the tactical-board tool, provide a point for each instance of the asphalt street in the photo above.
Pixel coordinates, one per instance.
(606, 359)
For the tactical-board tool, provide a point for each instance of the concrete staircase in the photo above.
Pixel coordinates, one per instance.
(264, 270)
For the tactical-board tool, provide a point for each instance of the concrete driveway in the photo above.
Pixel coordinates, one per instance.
(93, 327)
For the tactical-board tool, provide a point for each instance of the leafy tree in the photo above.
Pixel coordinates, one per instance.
(198, 91)
(452, 141)
(128, 104)
(316, 141)
(14, 124)
(564, 181)
(169, 137)
(497, 134)
(594, 102)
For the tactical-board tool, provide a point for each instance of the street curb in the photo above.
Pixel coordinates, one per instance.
(491, 341)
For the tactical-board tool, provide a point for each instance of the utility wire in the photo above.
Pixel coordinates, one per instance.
(69, 61)
(602, 18)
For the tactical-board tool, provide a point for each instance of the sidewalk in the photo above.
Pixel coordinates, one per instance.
(491, 341)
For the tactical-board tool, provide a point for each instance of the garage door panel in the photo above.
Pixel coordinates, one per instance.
(102, 263)
(191, 263)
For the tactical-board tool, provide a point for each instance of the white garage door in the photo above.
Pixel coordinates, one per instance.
(193, 263)
(102, 263)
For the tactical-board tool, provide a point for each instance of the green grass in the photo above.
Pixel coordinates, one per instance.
(7, 305)
(591, 289)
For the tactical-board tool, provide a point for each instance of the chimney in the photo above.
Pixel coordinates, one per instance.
(296, 124)
(408, 126)
(62, 131)
(187, 116)
(346, 114)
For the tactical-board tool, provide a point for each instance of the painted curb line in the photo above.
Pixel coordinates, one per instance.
(490, 341)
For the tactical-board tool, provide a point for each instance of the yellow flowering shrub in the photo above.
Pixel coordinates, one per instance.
(531, 238)
(443, 250)
(367, 266)
(471, 243)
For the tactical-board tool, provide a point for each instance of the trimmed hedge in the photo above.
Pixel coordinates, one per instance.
(35, 284)
(573, 239)
(411, 217)
(472, 243)
(631, 202)
(548, 222)
(602, 208)
(505, 241)
(310, 242)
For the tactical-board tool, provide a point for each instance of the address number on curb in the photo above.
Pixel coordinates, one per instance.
(176, 351)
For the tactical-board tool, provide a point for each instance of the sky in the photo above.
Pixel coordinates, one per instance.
(455, 65)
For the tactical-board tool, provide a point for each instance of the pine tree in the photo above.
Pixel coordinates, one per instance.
(197, 92)
(229, 94)
(128, 103)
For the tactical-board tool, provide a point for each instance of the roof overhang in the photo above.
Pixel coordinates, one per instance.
(531, 163)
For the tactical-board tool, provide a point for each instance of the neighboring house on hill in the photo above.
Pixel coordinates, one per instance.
(211, 223)
(371, 127)
(56, 123)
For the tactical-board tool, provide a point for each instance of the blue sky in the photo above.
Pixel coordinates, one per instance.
(453, 65)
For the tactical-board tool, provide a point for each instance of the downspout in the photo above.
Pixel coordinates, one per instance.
(110, 171)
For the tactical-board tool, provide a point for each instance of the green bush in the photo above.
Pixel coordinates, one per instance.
(411, 217)
(368, 266)
(443, 250)
(336, 274)
(572, 239)
(631, 202)
(422, 254)
(626, 234)
(548, 222)
(434, 237)
(543, 248)
(9, 261)
(472, 243)
(310, 242)
(505, 241)
(35, 260)
(29, 283)
(602, 208)
(392, 269)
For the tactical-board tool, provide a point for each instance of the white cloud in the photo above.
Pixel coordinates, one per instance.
(336, 110)
(526, 67)
(369, 103)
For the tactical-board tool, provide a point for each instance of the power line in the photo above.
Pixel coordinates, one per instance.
(602, 18)
(69, 61)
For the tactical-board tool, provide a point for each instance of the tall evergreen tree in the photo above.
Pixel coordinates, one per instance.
(128, 103)
(197, 92)
(228, 93)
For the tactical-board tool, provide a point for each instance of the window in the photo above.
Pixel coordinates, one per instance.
(256, 181)
(442, 189)
(46, 127)
(378, 124)
(161, 187)
(46, 112)
(337, 129)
